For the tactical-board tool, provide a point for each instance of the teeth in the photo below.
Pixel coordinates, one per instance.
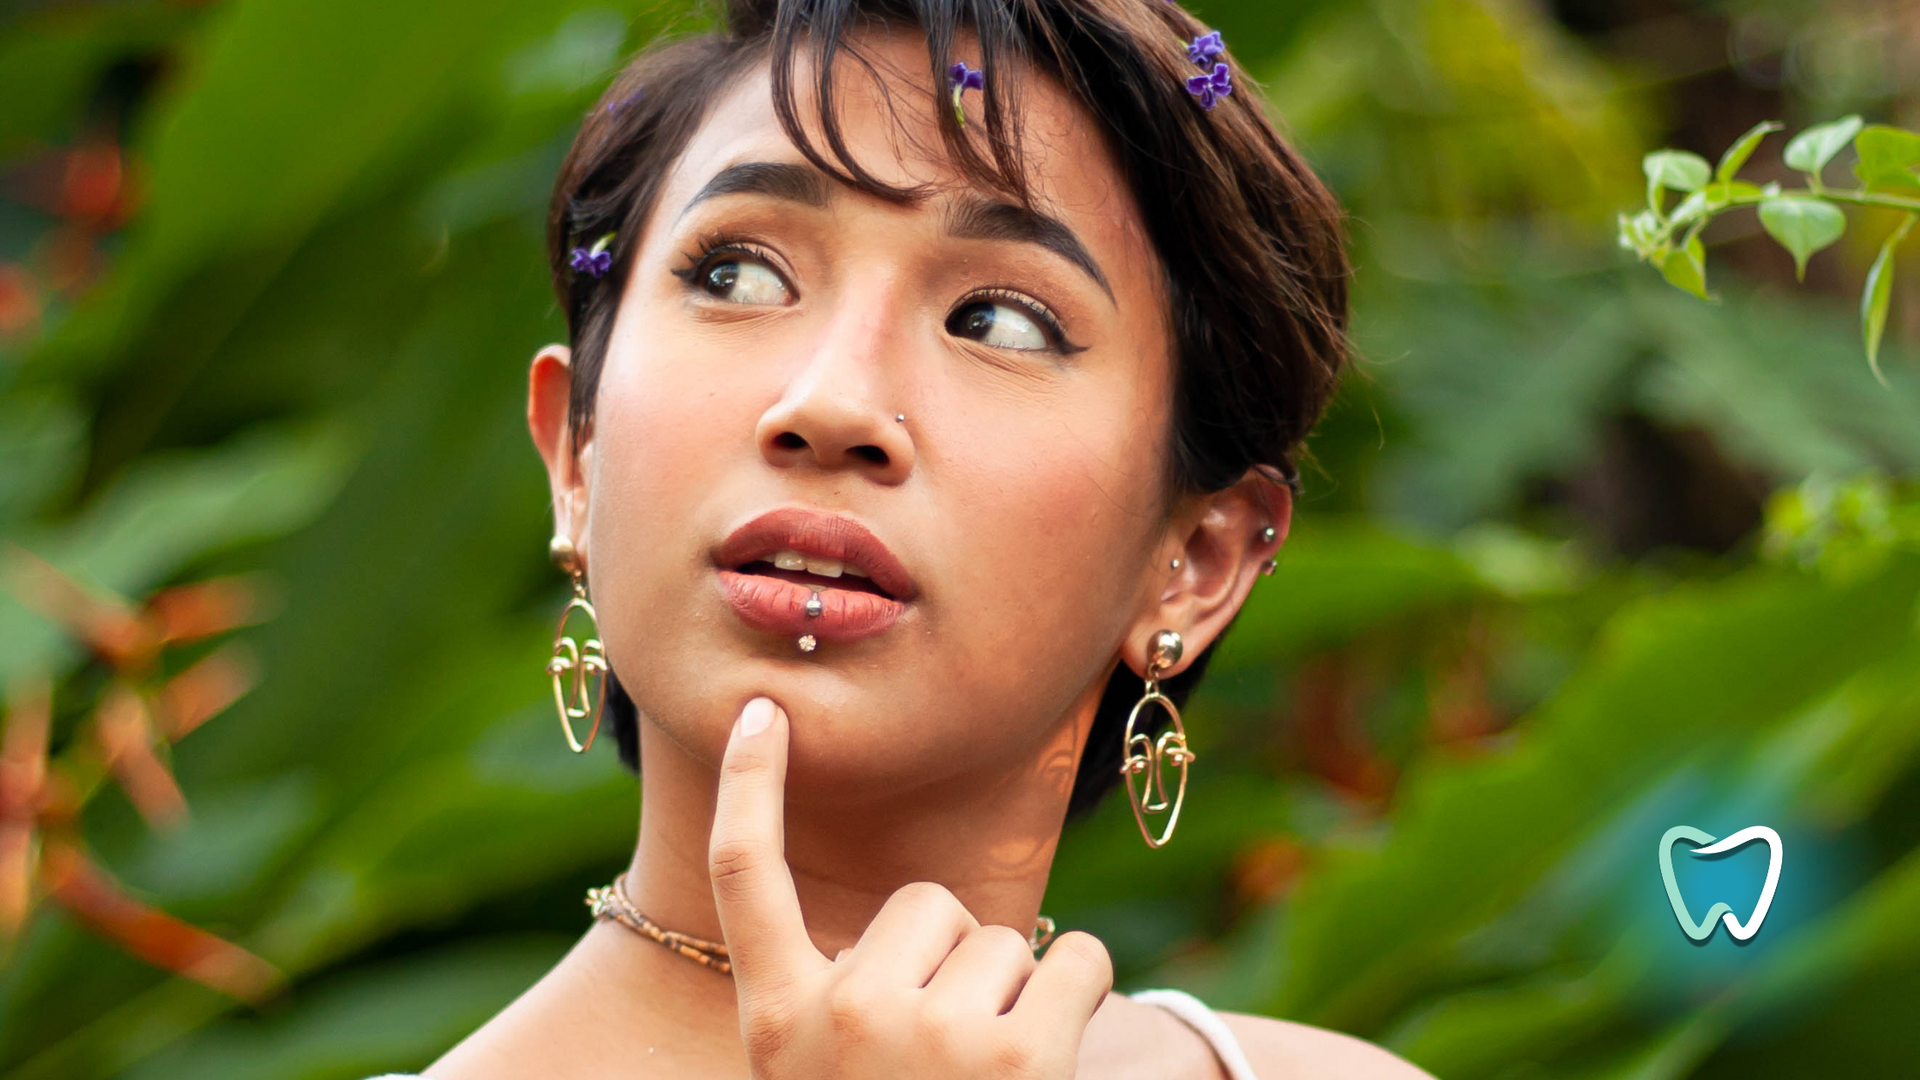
(853, 570)
(828, 568)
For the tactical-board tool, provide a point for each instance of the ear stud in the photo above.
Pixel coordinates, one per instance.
(1268, 534)
(1175, 564)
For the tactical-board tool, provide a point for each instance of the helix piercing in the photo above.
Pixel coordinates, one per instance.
(1267, 534)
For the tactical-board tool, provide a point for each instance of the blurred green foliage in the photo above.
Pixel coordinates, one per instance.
(1580, 557)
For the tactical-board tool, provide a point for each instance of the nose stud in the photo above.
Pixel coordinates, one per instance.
(899, 418)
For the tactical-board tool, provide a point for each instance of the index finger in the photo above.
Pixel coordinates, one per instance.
(746, 855)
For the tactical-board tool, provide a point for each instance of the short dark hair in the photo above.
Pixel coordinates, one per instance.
(1251, 243)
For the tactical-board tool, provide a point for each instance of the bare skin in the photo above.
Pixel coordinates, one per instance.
(884, 836)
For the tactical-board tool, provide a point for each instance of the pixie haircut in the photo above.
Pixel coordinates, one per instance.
(1250, 243)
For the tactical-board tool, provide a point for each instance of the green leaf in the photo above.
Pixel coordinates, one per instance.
(1879, 292)
(1810, 150)
(1887, 157)
(1676, 169)
(1741, 150)
(1686, 267)
(1803, 226)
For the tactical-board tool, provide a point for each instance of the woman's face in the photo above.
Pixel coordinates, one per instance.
(775, 325)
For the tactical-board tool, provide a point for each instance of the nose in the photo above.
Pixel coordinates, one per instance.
(838, 411)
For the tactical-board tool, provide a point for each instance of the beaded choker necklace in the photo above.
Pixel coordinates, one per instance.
(610, 902)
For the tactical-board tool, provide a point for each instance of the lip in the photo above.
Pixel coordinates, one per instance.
(778, 606)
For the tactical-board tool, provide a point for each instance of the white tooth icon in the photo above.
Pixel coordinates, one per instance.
(1720, 911)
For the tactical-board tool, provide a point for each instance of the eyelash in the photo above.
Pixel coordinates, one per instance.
(1049, 323)
(698, 258)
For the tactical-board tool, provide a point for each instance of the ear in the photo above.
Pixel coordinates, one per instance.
(1221, 544)
(549, 390)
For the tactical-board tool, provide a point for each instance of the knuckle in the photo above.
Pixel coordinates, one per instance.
(940, 1025)
(1005, 940)
(925, 896)
(852, 1011)
(731, 864)
(765, 1031)
(1015, 1058)
(1086, 951)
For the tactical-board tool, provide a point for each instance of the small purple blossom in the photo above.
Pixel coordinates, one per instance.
(960, 79)
(596, 260)
(1206, 48)
(1211, 88)
(616, 106)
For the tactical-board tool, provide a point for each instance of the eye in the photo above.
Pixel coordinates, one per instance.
(1002, 324)
(737, 277)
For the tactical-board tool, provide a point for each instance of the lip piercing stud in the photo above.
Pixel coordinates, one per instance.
(814, 606)
(807, 643)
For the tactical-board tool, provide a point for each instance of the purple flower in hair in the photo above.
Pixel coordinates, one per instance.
(1211, 88)
(596, 260)
(960, 79)
(1206, 48)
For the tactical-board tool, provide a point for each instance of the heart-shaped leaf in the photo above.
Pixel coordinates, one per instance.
(1678, 170)
(1803, 226)
(1887, 157)
(1810, 150)
(1686, 267)
(1741, 150)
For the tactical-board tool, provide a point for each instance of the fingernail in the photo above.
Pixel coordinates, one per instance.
(757, 716)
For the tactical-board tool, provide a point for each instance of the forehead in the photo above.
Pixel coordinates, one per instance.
(888, 120)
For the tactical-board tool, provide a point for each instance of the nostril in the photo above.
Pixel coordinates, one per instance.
(787, 440)
(871, 454)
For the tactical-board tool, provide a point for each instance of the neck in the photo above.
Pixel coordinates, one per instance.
(988, 837)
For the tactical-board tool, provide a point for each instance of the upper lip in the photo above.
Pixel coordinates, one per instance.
(820, 534)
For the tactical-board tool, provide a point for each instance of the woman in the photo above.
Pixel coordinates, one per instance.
(933, 380)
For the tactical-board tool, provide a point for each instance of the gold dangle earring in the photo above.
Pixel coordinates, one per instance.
(583, 661)
(1147, 757)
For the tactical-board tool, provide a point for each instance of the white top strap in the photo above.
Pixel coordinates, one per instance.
(1195, 1014)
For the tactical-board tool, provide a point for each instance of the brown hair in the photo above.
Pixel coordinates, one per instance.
(1250, 242)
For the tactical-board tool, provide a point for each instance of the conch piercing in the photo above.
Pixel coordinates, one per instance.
(583, 662)
(1146, 758)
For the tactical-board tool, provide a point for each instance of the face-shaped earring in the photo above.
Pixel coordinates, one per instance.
(583, 662)
(1147, 758)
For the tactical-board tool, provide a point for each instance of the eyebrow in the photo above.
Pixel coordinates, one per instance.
(779, 180)
(986, 219)
(968, 218)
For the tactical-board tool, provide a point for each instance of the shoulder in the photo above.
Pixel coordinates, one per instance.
(1282, 1049)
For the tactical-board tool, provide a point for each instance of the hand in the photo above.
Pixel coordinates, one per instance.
(927, 991)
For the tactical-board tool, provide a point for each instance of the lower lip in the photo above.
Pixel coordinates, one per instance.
(778, 606)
